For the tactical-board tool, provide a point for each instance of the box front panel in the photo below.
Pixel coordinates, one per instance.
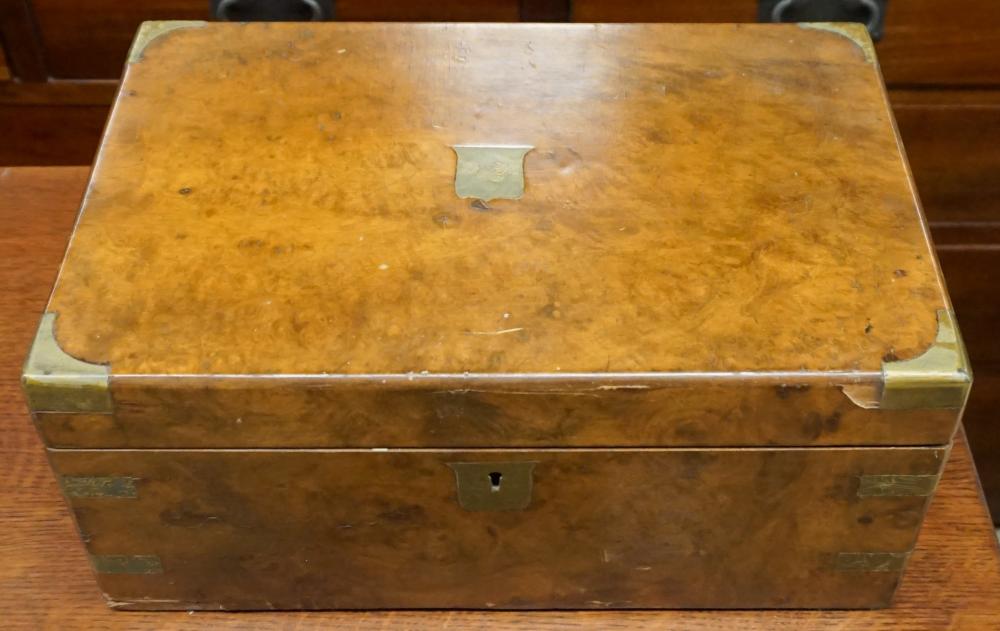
(216, 413)
(570, 528)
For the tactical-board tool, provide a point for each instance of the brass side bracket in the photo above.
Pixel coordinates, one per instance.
(88, 486)
(148, 31)
(939, 378)
(126, 564)
(54, 381)
(897, 485)
(871, 561)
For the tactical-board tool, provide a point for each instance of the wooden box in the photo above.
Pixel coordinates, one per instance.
(510, 316)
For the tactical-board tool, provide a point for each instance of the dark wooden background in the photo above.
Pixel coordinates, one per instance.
(941, 60)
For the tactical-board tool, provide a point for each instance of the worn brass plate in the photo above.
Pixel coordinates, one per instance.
(78, 486)
(489, 172)
(871, 561)
(897, 485)
(126, 564)
(493, 486)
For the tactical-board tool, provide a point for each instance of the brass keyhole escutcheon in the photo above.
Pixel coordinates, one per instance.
(495, 477)
(493, 486)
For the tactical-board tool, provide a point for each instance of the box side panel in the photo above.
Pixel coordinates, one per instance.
(584, 529)
(227, 413)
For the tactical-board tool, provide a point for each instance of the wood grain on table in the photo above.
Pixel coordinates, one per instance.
(953, 581)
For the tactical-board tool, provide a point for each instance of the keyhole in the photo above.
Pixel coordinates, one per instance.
(495, 477)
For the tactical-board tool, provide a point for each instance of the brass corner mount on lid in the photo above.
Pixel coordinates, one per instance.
(54, 381)
(938, 378)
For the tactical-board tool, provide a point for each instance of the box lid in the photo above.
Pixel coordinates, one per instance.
(559, 210)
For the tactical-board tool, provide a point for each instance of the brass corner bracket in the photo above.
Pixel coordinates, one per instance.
(148, 31)
(56, 382)
(939, 378)
(857, 33)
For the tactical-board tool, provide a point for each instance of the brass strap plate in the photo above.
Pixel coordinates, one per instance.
(84, 486)
(126, 564)
(897, 485)
(871, 561)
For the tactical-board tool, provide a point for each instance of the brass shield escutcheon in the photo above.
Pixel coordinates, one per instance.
(490, 172)
(493, 486)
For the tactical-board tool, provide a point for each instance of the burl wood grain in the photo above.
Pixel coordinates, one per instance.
(724, 214)
(643, 528)
(188, 413)
(952, 582)
(275, 199)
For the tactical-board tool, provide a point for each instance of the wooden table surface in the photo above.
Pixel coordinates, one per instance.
(953, 581)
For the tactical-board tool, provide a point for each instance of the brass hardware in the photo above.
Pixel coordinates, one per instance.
(126, 564)
(493, 486)
(854, 32)
(871, 561)
(148, 31)
(56, 382)
(897, 485)
(80, 486)
(487, 172)
(939, 378)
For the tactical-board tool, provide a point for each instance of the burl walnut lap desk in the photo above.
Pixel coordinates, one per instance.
(953, 580)
(723, 372)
